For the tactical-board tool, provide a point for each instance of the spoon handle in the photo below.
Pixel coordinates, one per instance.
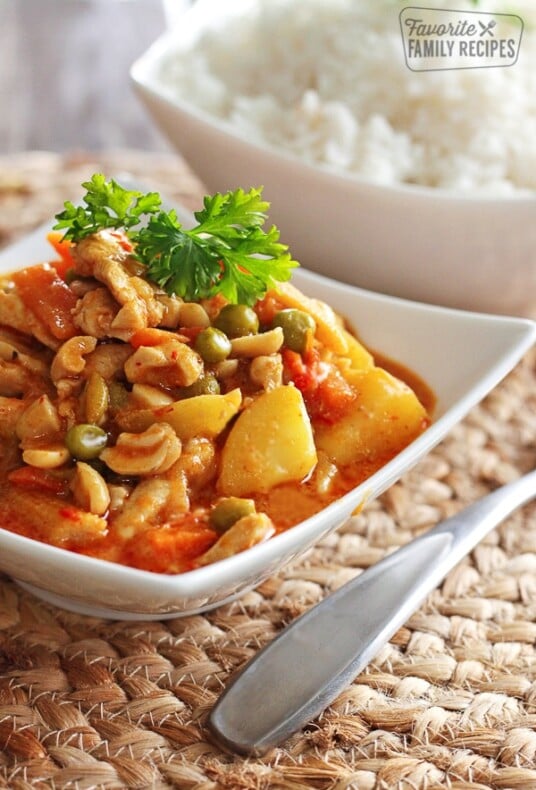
(295, 677)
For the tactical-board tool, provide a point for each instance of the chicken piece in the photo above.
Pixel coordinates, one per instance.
(95, 313)
(170, 364)
(17, 381)
(172, 310)
(108, 360)
(101, 256)
(142, 508)
(12, 352)
(192, 472)
(22, 371)
(267, 371)
(25, 344)
(96, 255)
(11, 410)
(198, 462)
(50, 518)
(14, 314)
(118, 496)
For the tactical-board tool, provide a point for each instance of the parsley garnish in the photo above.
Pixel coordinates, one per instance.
(228, 251)
(107, 205)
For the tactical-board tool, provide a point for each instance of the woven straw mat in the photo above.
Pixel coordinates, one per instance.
(449, 702)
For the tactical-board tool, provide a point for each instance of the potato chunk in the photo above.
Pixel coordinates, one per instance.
(359, 357)
(202, 415)
(270, 443)
(385, 418)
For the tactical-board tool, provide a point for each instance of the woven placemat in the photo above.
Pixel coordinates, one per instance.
(449, 702)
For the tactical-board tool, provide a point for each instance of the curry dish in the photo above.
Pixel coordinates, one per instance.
(166, 434)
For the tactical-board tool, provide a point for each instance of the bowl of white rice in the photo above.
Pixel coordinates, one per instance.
(401, 174)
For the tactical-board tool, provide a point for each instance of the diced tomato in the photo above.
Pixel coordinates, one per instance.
(49, 298)
(214, 304)
(331, 398)
(122, 239)
(64, 248)
(267, 308)
(303, 373)
(190, 332)
(325, 391)
(38, 479)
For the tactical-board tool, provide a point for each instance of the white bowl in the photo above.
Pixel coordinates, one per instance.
(460, 355)
(416, 242)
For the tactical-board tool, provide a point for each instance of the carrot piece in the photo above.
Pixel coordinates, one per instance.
(64, 248)
(154, 337)
(49, 298)
(149, 337)
(169, 549)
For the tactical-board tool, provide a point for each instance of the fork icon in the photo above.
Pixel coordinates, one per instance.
(487, 28)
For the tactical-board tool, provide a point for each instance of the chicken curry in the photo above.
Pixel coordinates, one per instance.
(166, 433)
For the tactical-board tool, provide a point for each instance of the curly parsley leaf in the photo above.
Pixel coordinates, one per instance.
(227, 252)
(107, 205)
(174, 261)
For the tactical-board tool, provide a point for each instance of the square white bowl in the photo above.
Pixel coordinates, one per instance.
(460, 355)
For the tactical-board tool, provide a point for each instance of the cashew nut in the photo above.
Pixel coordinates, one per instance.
(263, 344)
(46, 458)
(90, 490)
(69, 362)
(246, 532)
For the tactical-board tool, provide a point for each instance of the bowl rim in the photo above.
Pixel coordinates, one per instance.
(143, 74)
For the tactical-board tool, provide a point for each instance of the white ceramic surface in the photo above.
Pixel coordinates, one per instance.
(462, 356)
(415, 242)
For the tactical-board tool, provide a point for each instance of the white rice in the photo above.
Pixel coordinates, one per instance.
(326, 80)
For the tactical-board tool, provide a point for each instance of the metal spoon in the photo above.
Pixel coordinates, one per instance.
(295, 677)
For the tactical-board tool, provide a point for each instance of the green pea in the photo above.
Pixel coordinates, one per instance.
(205, 385)
(237, 320)
(86, 441)
(296, 324)
(228, 511)
(212, 344)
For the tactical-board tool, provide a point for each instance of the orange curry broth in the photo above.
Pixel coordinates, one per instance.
(172, 547)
